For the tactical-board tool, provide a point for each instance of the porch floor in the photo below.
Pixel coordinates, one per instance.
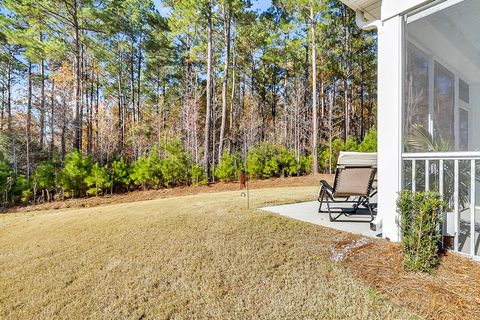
(308, 212)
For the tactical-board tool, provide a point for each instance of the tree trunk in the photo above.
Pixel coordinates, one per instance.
(77, 139)
(314, 94)
(346, 111)
(121, 115)
(82, 98)
(42, 99)
(347, 77)
(330, 128)
(307, 72)
(232, 97)
(209, 94)
(132, 80)
(362, 103)
(52, 121)
(226, 27)
(64, 130)
(90, 114)
(139, 75)
(2, 106)
(285, 105)
(29, 117)
(9, 96)
(97, 92)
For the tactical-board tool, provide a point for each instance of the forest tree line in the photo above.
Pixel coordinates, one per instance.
(114, 80)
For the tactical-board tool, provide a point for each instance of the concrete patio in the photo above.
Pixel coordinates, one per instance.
(308, 212)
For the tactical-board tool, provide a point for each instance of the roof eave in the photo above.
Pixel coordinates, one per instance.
(369, 8)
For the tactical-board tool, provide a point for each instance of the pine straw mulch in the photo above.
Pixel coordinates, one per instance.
(452, 292)
(139, 195)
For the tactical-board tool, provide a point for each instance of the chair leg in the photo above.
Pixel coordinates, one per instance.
(332, 219)
(329, 211)
(324, 198)
(320, 199)
(367, 201)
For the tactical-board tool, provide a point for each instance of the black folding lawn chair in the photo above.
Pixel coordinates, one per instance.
(352, 190)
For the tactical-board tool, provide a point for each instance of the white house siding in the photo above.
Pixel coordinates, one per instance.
(389, 126)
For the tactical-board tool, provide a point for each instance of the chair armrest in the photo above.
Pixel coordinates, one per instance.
(324, 185)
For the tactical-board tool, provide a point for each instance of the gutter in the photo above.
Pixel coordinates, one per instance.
(364, 24)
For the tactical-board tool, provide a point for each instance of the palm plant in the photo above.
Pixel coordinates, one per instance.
(420, 140)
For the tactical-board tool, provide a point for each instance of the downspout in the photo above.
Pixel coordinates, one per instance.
(376, 225)
(364, 24)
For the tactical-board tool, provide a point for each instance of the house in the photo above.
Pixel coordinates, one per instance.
(428, 108)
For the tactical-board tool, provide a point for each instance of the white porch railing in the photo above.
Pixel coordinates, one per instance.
(439, 170)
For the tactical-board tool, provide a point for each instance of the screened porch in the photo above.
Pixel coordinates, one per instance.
(441, 113)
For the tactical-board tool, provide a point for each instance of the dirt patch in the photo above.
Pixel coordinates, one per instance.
(310, 180)
(342, 250)
(453, 292)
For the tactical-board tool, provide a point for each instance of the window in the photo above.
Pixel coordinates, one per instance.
(464, 91)
(442, 78)
(443, 104)
(417, 90)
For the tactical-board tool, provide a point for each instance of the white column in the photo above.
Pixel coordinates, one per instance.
(390, 66)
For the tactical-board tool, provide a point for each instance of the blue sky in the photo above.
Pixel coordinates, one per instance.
(260, 5)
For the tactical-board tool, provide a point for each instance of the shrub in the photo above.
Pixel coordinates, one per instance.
(267, 161)
(21, 190)
(288, 163)
(305, 164)
(419, 225)
(324, 159)
(256, 161)
(175, 163)
(45, 178)
(146, 171)
(197, 174)
(229, 167)
(77, 168)
(262, 162)
(337, 145)
(120, 175)
(6, 180)
(351, 144)
(369, 143)
(98, 180)
(12, 185)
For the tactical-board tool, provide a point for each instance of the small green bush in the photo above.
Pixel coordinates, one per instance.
(337, 146)
(98, 180)
(257, 159)
(76, 169)
(229, 167)
(306, 164)
(369, 143)
(120, 175)
(268, 161)
(45, 178)
(197, 174)
(147, 171)
(175, 163)
(420, 219)
(288, 163)
(21, 190)
(6, 180)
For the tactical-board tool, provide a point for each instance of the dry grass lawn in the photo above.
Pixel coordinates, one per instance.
(198, 256)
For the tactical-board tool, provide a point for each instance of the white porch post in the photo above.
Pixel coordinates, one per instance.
(390, 71)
